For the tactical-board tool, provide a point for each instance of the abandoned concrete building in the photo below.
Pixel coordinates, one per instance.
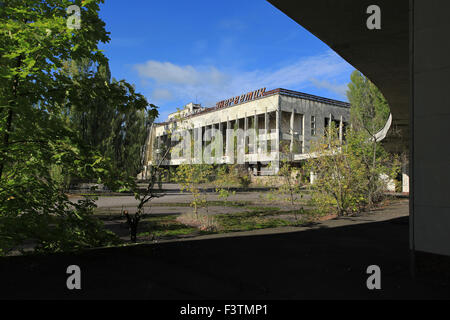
(268, 123)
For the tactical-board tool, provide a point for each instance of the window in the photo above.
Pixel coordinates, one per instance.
(313, 125)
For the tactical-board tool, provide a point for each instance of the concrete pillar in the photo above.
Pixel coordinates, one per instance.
(202, 137)
(278, 130)
(430, 174)
(303, 132)
(228, 141)
(236, 150)
(291, 129)
(405, 178)
(266, 129)
(212, 145)
(329, 124)
(255, 131)
(219, 144)
(190, 144)
(211, 134)
(341, 124)
(276, 162)
(312, 177)
(198, 143)
(245, 133)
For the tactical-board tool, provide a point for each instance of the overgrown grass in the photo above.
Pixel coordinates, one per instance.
(214, 203)
(114, 212)
(260, 218)
(168, 226)
(165, 226)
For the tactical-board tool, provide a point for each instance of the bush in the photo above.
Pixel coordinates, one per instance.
(349, 174)
(243, 177)
(245, 181)
(64, 229)
(191, 177)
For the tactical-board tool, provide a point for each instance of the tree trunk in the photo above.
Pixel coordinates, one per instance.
(9, 119)
(6, 137)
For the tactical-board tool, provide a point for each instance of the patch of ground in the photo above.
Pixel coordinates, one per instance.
(327, 260)
(172, 226)
(174, 220)
(178, 202)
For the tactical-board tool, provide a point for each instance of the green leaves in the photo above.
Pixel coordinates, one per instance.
(39, 146)
(291, 181)
(369, 109)
(191, 177)
(108, 117)
(349, 175)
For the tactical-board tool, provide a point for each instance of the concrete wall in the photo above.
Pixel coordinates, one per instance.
(310, 108)
(246, 109)
(291, 115)
(430, 227)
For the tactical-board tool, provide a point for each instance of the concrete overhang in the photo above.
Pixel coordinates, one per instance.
(381, 55)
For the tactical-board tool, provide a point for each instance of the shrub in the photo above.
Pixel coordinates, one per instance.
(65, 229)
(349, 175)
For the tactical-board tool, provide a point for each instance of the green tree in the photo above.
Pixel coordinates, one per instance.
(191, 177)
(290, 176)
(110, 116)
(369, 113)
(226, 178)
(291, 186)
(344, 182)
(369, 109)
(37, 139)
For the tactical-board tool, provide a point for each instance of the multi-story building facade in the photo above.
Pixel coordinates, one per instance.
(254, 129)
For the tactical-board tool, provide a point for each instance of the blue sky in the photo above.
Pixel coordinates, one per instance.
(177, 52)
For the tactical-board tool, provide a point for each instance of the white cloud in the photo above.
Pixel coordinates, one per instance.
(169, 73)
(337, 88)
(208, 84)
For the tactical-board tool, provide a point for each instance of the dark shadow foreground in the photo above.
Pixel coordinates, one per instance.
(324, 263)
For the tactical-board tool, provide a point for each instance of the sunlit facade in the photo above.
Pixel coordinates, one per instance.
(253, 129)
